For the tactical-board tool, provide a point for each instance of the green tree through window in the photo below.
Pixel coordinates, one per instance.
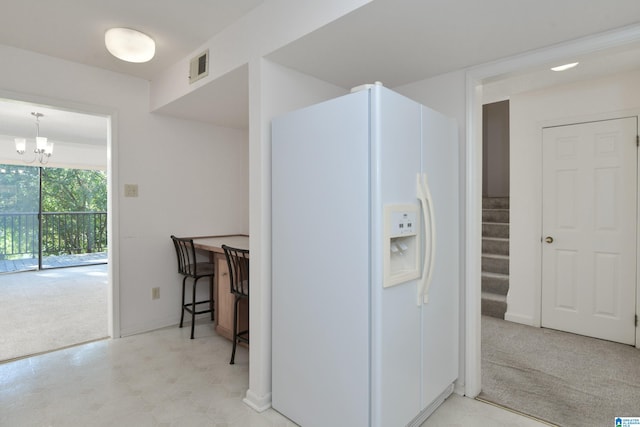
(73, 190)
(70, 197)
(74, 204)
(18, 211)
(18, 188)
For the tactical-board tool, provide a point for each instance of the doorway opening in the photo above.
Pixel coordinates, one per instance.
(52, 216)
(544, 350)
(495, 208)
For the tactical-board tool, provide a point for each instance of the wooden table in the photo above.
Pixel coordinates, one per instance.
(224, 299)
(214, 243)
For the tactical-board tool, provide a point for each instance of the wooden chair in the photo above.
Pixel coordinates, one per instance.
(190, 268)
(238, 263)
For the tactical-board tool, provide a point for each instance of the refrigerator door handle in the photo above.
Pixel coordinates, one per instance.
(426, 201)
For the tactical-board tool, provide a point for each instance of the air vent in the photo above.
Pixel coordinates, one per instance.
(199, 67)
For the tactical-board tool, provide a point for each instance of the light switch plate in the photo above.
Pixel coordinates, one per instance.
(131, 190)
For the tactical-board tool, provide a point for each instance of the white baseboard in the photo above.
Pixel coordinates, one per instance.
(517, 318)
(257, 403)
(156, 324)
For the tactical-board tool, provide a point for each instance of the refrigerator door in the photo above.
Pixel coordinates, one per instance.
(440, 315)
(396, 319)
(320, 263)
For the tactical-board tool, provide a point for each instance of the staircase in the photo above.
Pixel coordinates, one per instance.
(495, 256)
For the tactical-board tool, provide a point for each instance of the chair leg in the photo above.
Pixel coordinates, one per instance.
(182, 305)
(235, 329)
(193, 307)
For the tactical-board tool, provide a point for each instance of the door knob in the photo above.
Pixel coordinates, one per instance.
(548, 239)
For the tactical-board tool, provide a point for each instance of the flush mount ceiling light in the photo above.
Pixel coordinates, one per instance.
(129, 45)
(565, 66)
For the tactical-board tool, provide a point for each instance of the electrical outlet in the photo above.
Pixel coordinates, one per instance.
(155, 293)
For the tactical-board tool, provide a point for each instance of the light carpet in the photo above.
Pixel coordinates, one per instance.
(51, 309)
(565, 379)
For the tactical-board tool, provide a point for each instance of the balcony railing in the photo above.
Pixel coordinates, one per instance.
(63, 233)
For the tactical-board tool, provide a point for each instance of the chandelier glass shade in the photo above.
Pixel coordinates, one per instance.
(43, 149)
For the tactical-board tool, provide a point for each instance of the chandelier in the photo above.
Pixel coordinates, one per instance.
(43, 149)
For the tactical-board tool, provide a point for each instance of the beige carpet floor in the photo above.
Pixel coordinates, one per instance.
(51, 309)
(565, 379)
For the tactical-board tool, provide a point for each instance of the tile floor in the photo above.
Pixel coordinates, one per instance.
(163, 378)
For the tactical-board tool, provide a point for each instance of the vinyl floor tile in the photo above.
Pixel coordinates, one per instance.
(162, 378)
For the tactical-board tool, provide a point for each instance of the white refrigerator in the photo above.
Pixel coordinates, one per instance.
(365, 261)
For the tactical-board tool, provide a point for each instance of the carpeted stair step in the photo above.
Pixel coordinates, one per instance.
(495, 203)
(495, 283)
(494, 229)
(495, 245)
(495, 215)
(495, 263)
(493, 305)
(495, 256)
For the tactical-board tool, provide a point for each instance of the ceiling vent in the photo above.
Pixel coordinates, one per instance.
(199, 67)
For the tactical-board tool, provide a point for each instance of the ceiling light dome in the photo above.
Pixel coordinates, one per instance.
(129, 45)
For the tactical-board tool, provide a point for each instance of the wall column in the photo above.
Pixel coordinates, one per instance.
(258, 396)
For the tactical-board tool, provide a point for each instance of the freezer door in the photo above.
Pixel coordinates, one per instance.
(396, 330)
(320, 263)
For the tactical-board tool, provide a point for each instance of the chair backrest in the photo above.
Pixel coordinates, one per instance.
(238, 263)
(186, 253)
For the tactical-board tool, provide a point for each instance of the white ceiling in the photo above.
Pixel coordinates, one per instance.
(74, 29)
(55, 124)
(393, 41)
(403, 41)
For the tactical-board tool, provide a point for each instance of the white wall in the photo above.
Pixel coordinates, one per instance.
(192, 177)
(274, 90)
(444, 93)
(597, 99)
(195, 183)
(495, 149)
(268, 27)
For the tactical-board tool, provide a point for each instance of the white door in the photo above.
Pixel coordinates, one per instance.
(589, 189)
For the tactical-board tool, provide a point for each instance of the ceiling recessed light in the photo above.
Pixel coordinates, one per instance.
(565, 66)
(129, 45)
